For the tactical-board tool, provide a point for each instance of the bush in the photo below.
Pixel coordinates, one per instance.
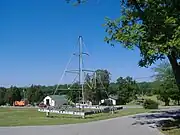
(150, 104)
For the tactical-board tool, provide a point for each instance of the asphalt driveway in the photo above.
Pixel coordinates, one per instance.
(116, 126)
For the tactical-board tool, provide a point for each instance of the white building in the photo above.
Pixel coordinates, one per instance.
(55, 100)
(111, 99)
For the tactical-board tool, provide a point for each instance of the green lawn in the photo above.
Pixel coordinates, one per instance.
(172, 127)
(22, 117)
(172, 132)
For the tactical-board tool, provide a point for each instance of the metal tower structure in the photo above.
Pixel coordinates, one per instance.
(81, 72)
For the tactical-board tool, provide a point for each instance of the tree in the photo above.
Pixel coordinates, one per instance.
(2, 95)
(9, 96)
(75, 94)
(153, 26)
(163, 93)
(163, 72)
(17, 93)
(102, 82)
(113, 87)
(97, 86)
(35, 94)
(145, 88)
(127, 89)
(168, 88)
(13, 94)
(38, 95)
(30, 94)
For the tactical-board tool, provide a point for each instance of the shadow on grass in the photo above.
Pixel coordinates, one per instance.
(164, 120)
(52, 116)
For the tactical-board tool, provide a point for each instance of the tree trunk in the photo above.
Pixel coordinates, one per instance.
(175, 67)
(167, 102)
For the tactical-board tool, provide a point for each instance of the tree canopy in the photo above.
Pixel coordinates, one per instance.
(100, 82)
(127, 89)
(153, 26)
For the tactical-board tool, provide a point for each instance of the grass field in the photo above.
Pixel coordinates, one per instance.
(172, 132)
(172, 128)
(24, 117)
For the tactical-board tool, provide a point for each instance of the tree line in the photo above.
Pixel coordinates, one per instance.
(95, 89)
(126, 89)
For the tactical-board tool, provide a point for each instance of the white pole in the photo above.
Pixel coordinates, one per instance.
(81, 68)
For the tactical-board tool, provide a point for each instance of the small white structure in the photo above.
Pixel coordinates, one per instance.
(86, 103)
(55, 100)
(111, 99)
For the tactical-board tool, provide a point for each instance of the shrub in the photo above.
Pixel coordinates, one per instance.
(150, 104)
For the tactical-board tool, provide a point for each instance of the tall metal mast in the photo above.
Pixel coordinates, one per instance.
(80, 72)
(81, 82)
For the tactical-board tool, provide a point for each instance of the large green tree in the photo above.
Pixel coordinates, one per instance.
(97, 86)
(35, 94)
(127, 89)
(13, 94)
(102, 82)
(113, 87)
(153, 26)
(145, 88)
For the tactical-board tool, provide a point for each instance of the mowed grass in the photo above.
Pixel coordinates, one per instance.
(25, 117)
(172, 132)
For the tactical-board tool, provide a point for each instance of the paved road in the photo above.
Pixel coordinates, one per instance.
(116, 126)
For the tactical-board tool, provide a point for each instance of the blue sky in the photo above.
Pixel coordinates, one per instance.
(37, 38)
